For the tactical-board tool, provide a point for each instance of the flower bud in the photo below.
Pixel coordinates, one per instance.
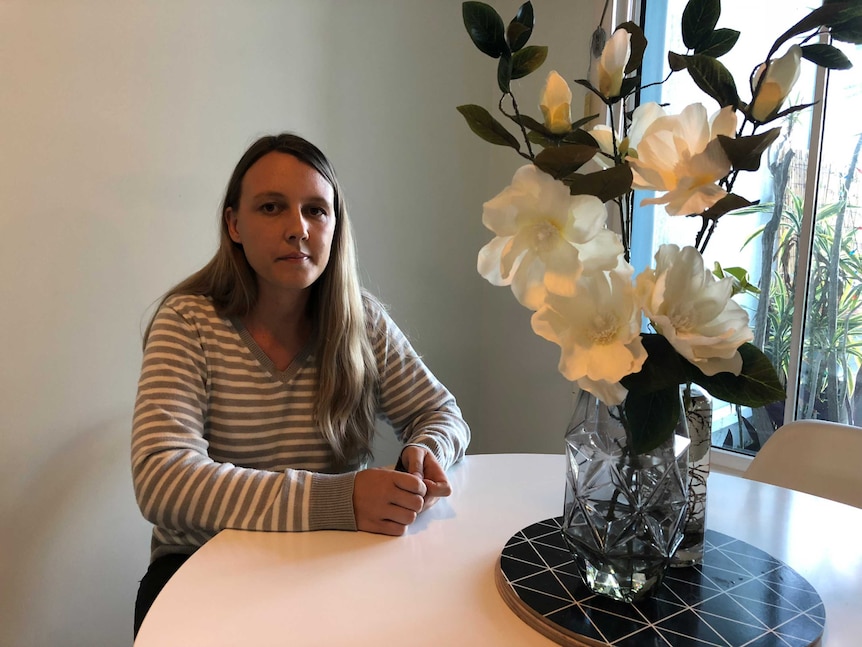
(604, 137)
(556, 104)
(612, 64)
(780, 76)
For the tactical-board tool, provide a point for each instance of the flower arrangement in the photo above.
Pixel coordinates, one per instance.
(551, 242)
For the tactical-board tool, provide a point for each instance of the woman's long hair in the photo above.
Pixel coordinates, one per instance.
(346, 401)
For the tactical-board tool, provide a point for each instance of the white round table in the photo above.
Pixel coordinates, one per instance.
(435, 585)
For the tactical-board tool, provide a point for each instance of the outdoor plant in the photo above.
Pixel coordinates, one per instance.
(835, 282)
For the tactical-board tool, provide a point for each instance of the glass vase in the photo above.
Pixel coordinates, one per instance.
(623, 512)
(698, 414)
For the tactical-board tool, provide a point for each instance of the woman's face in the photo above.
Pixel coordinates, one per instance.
(285, 222)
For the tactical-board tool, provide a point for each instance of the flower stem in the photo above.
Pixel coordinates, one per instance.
(519, 121)
(712, 226)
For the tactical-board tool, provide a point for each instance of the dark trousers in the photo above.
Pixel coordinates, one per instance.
(157, 575)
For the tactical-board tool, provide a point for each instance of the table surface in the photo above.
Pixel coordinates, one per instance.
(435, 585)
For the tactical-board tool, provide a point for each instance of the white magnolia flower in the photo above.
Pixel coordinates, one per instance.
(612, 64)
(597, 330)
(642, 118)
(556, 104)
(602, 252)
(694, 311)
(542, 231)
(611, 393)
(680, 155)
(604, 137)
(781, 75)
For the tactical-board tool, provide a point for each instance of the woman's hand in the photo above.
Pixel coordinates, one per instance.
(420, 462)
(385, 501)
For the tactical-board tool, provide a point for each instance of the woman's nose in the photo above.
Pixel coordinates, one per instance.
(295, 227)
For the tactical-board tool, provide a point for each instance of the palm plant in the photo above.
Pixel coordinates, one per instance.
(833, 335)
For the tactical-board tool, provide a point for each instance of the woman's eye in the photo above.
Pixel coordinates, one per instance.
(317, 212)
(269, 207)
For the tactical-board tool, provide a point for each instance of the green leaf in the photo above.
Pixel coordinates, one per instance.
(638, 45)
(698, 21)
(756, 386)
(532, 124)
(521, 27)
(579, 136)
(744, 152)
(827, 56)
(504, 72)
(831, 15)
(718, 43)
(730, 202)
(739, 277)
(677, 62)
(664, 367)
(515, 34)
(561, 161)
(628, 85)
(605, 185)
(528, 60)
(783, 113)
(483, 124)
(652, 403)
(848, 31)
(651, 417)
(538, 126)
(713, 78)
(587, 85)
(485, 27)
(539, 139)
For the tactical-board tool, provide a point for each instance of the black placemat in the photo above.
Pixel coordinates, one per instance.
(739, 595)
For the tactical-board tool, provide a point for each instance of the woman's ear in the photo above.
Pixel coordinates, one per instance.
(230, 220)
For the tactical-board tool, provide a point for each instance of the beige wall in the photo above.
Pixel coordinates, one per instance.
(119, 124)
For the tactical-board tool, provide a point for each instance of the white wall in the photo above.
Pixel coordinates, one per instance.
(119, 125)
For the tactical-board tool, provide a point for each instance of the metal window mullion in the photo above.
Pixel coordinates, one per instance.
(616, 12)
(806, 243)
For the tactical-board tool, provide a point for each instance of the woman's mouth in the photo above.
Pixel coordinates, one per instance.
(293, 257)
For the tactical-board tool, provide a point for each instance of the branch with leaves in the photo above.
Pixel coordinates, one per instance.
(552, 246)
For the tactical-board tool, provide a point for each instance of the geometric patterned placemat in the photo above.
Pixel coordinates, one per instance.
(739, 595)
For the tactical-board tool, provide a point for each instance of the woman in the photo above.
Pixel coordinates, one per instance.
(264, 372)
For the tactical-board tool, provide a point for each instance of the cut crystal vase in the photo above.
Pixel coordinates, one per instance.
(623, 512)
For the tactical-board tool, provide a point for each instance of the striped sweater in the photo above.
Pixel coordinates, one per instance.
(222, 439)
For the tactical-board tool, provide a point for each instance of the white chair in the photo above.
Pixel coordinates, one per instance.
(813, 456)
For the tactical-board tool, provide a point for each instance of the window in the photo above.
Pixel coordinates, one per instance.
(801, 242)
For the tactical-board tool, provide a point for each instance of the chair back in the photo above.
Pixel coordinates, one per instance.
(813, 456)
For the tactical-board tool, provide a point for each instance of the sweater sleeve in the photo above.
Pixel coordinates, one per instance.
(179, 488)
(420, 409)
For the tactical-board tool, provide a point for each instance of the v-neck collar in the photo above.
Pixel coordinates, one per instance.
(263, 359)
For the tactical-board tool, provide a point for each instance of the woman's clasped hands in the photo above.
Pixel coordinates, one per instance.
(387, 501)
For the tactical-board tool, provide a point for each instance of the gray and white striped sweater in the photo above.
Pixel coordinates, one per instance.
(222, 439)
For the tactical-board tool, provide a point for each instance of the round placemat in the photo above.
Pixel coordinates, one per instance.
(739, 595)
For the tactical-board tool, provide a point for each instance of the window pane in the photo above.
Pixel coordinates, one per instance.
(765, 240)
(833, 331)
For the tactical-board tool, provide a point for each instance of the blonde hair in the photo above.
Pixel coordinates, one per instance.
(346, 403)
